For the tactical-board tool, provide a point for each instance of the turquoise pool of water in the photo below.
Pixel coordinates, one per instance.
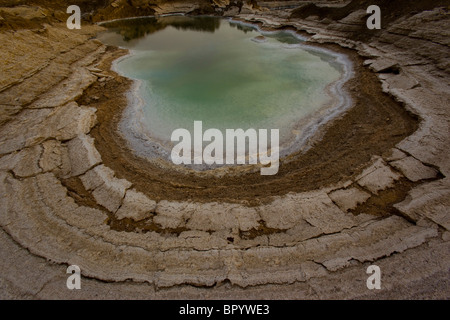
(217, 71)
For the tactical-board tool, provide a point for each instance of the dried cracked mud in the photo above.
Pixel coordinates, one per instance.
(372, 189)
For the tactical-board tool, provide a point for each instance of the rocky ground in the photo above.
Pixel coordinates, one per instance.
(68, 197)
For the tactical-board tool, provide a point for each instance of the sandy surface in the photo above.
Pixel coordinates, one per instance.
(373, 189)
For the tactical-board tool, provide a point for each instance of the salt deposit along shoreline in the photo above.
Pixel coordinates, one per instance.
(141, 141)
(68, 194)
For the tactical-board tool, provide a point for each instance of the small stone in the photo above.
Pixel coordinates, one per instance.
(99, 75)
(95, 177)
(108, 191)
(136, 206)
(111, 193)
(232, 11)
(414, 170)
(349, 199)
(385, 66)
(96, 70)
(83, 154)
(52, 155)
(24, 163)
(377, 177)
(395, 154)
(402, 82)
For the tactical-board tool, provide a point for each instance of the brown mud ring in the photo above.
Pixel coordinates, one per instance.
(371, 126)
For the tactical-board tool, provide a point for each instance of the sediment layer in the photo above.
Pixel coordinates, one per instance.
(70, 191)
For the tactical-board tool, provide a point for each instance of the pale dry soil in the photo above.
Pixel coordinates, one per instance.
(72, 193)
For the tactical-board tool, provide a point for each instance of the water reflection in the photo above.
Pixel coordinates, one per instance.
(242, 27)
(131, 29)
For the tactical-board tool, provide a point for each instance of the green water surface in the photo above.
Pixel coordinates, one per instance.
(213, 70)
